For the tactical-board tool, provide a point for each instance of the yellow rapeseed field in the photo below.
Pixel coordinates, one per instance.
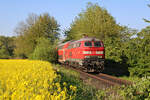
(30, 80)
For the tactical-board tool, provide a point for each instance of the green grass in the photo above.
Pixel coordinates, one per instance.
(133, 79)
(84, 91)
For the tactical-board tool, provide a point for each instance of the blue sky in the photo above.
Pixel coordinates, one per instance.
(126, 12)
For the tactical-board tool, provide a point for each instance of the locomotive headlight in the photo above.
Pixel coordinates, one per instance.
(87, 52)
(99, 52)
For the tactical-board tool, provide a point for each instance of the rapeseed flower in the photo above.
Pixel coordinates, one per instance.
(30, 80)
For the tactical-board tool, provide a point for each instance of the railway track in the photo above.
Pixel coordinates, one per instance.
(115, 80)
(105, 80)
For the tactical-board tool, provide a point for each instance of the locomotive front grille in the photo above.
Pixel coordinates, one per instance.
(92, 60)
(93, 63)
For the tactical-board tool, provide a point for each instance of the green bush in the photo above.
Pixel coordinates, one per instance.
(139, 72)
(6, 47)
(45, 51)
(139, 91)
(4, 54)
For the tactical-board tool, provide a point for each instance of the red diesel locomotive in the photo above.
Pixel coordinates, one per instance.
(86, 53)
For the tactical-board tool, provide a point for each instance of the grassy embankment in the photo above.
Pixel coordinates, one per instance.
(139, 91)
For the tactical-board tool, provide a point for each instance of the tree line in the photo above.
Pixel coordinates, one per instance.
(38, 36)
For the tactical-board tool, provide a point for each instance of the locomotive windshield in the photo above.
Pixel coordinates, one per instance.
(97, 44)
(88, 44)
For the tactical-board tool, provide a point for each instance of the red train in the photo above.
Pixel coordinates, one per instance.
(86, 53)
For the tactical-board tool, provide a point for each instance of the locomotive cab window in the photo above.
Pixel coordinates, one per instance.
(88, 44)
(97, 44)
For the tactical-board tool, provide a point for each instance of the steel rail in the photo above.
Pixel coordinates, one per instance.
(115, 79)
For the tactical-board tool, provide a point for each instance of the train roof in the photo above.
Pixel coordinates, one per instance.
(82, 39)
(88, 39)
(60, 44)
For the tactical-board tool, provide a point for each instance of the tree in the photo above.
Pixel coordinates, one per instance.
(144, 47)
(6, 47)
(139, 53)
(29, 32)
(95, 21)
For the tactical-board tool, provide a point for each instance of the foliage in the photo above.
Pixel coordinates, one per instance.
(45, 50)
(139, 91)
(29, 32)
(144, 46)
(6, 47)
(137, 52)
(101, 94)
(34, 80)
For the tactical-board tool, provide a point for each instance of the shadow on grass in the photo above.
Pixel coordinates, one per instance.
(116, 68)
